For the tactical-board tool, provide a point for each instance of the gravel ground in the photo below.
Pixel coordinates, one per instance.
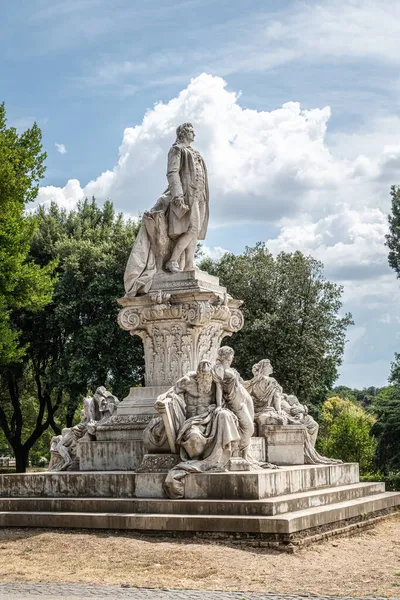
(364, 565)
(17, 591)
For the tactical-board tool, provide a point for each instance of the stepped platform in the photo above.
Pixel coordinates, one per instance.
(282, 508)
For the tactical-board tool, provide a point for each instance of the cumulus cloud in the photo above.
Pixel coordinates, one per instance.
(350, 243)
(214, 253)
(67, 197)
(272, 167)
(262, 165)
(61, 148)
(329, 200)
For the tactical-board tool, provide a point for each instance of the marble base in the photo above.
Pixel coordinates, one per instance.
(193, 281)
(110, 455)
(284, 444)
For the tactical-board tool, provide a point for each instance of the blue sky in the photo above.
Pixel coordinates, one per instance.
(296, 108)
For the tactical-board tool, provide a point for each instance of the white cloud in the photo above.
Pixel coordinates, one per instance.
(329, 200)
(349, 242)
(262, 165)
(272, 167)
(66, 197)
(214, 253)
(330, 31)
(61, 148)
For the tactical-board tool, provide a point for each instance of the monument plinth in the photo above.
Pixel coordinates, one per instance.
(181, 323)
(210, 437)
(181, 320)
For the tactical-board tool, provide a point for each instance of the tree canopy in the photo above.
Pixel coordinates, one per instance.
(74, 344)
(82, 345)
(24, 285)
(387, 428)
(345, 433)
(292, 316)
(393, 237)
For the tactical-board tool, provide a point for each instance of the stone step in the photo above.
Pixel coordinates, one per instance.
(249, 485)
(273, 506)
(289, 523)
(342, 511)
(253, 485)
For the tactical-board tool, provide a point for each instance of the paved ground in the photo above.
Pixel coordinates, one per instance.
(21, 591)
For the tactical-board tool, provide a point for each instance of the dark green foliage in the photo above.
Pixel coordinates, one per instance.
(391, 481)
(74, 344)
(387, 405)
(387, 428)
(291, 317)
(365, 397)
(24, 285)
(82, 346)
(393, 237)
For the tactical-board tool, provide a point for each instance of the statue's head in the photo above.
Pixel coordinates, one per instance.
(225, 355)
(55, 440)
(204, 367)
(108, 403)
(185, 133)
(204, 376)
(100, 391)
(263, 367)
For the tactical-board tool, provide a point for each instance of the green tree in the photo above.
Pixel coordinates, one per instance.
(81, 345)
(365, 397)
(387, 428)
(24, 285)
(291, 317)
(345, 433)
(387, 404)
(393, 237)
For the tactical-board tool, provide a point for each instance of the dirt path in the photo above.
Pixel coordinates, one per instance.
(364, 565)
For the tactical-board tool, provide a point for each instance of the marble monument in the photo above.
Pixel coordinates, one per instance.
(190, 451)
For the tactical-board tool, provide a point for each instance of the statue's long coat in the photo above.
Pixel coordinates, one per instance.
(181, 175)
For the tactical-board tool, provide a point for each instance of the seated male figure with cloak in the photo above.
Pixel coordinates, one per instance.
(200, 429)
(202, 433)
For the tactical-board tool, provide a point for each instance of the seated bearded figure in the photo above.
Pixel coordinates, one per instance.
(195, 426)
(191, 423)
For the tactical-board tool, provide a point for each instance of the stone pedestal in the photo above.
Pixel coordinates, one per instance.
(109, 455)
(284, 444)
(182, 320)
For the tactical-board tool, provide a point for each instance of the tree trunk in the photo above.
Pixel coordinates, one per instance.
(71, 409)
(21, 459)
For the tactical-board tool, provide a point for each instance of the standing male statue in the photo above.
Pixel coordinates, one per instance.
(169, 232)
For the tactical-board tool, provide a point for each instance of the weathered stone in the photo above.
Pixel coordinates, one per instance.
(273, 407)
(158, 463)
(167, 238)
(111, 455)
(284, 444)
(179, 332)
(258, 449)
